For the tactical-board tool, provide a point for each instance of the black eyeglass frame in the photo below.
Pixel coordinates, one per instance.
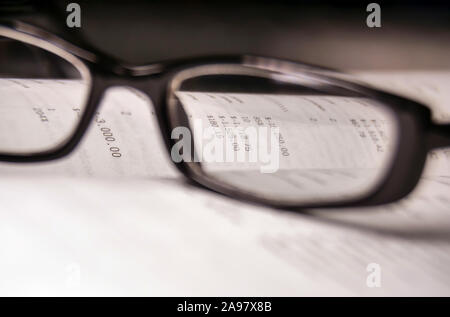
(417, 133)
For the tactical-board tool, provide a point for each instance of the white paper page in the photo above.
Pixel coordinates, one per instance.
(330, 147)
(335, 146)
(429, 87)
(128, 121)
(311, 126)
(85, 236)
(96, 237)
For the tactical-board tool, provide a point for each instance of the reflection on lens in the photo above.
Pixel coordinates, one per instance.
(293, 144)
(42, 94)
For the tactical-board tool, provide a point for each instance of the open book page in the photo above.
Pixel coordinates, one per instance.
(123, 140)
(428, 87)
(79, 236)
(329, 146)
(128, 232)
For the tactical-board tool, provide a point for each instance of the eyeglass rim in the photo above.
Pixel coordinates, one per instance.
(107, 72)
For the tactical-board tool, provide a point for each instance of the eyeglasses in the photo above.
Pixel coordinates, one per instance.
(270, 131)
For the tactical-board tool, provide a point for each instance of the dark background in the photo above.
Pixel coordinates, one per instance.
(414, 34)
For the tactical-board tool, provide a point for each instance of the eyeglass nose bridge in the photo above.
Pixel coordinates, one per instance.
(153, 87)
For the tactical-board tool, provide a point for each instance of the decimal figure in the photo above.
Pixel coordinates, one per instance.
(109, 138)
(115, 151)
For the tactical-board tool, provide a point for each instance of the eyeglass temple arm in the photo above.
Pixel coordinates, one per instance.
(438, 136)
